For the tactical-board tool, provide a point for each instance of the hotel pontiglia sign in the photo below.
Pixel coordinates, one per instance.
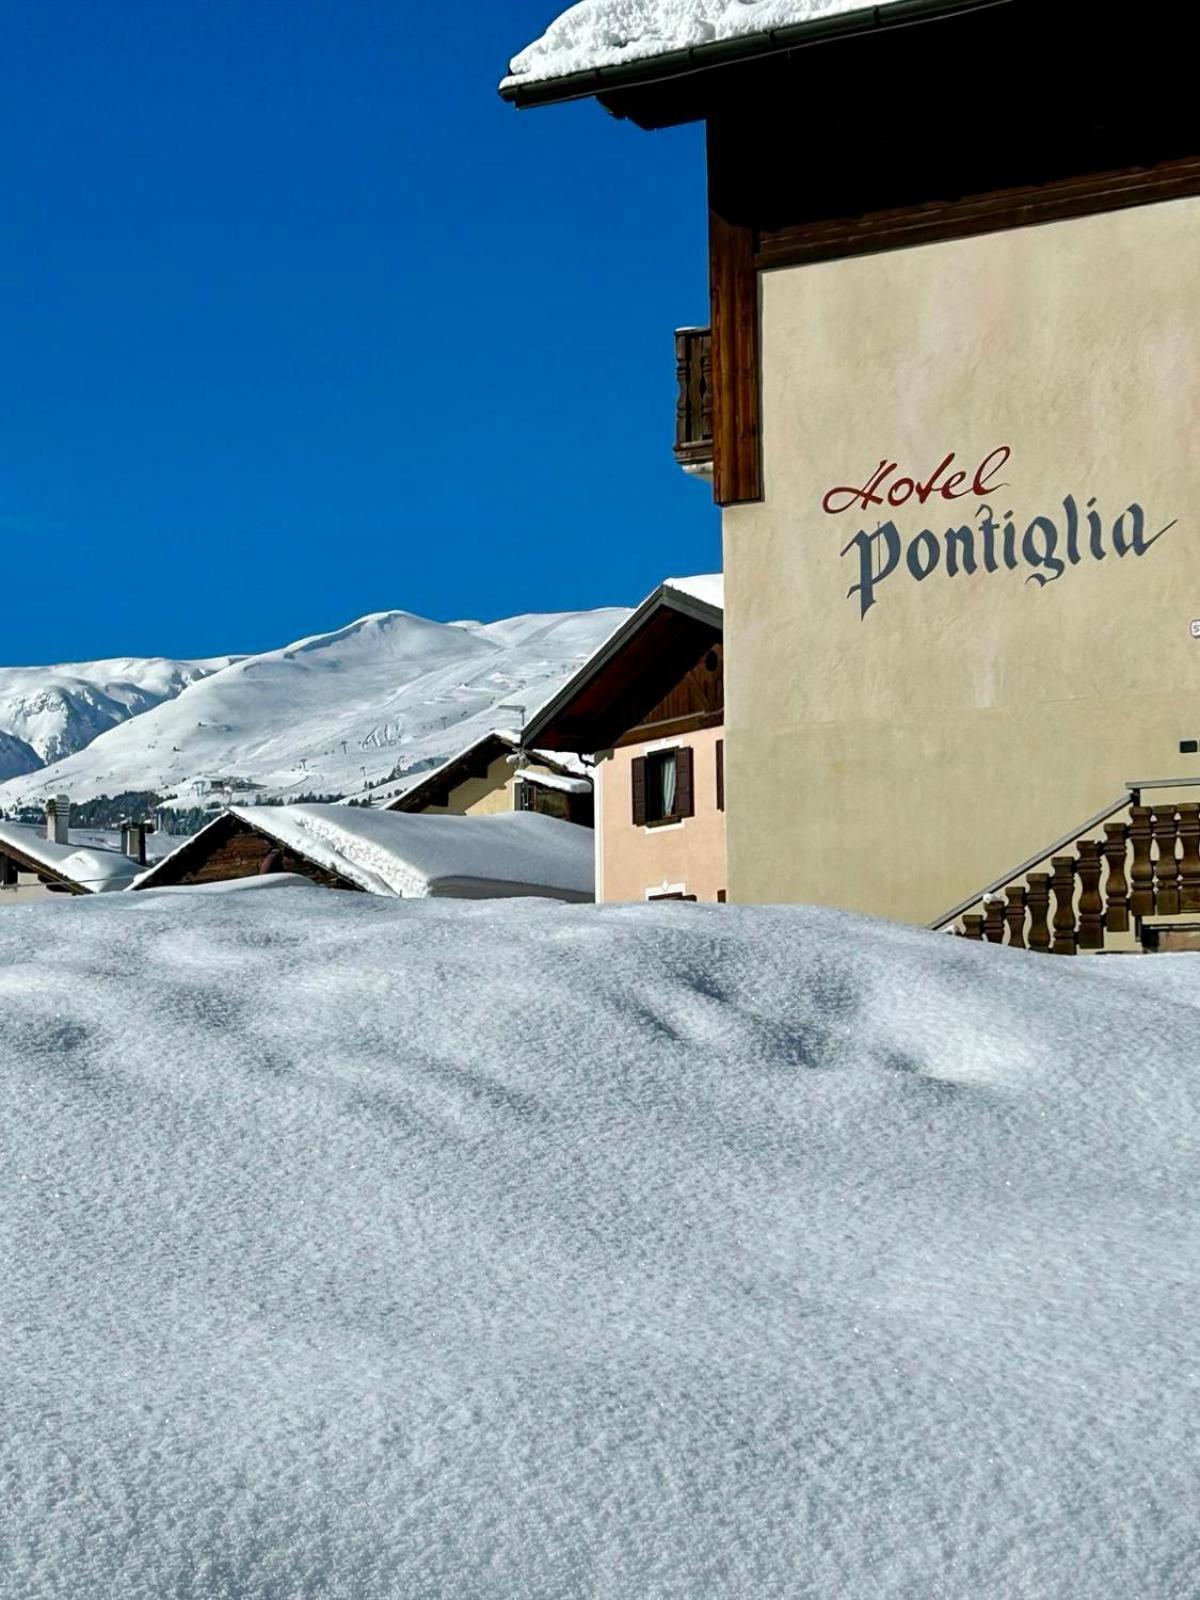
(1044, 547)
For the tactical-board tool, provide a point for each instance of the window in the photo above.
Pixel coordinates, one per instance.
(720, 774)
(662, 787)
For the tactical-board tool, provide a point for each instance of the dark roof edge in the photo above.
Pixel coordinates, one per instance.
(701, 58)
(663, 598)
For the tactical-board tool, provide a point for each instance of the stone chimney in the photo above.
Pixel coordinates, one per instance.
(58, 819)
(133, 841)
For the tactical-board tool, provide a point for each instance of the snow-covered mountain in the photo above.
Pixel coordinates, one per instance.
(57, 711)
(386, 695)
(16, 757)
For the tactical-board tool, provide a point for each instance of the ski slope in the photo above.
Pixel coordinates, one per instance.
(329, 713)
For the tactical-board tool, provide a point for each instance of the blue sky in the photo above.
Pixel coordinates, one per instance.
(300, 321)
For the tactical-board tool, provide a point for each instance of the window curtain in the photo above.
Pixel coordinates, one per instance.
(667, 794)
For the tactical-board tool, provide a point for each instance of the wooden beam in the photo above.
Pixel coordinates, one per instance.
(902, 227)
(736, 375)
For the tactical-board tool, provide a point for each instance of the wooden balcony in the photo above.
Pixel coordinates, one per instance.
(693, 410)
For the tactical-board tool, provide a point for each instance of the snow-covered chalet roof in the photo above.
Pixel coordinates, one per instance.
(416, 855)
(455, 768)
(88, 866)
(600, 35)
(707, 587)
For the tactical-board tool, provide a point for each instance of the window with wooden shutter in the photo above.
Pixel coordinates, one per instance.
(720, 774)
(684, 803)
(639, 792)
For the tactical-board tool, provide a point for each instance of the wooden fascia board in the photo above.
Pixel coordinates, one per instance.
(1001, 210)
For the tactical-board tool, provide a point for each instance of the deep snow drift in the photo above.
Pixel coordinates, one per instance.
(364, 1248)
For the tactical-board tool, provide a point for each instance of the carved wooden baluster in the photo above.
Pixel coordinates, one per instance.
(973, 927)
(1116, 889)
(1141, 832)
(683, 399)
(993, 920)
(1014, 914)
(1065, 943)
(1091, 902)
(1189, 866)
(1166, 868)
(1039, 911)
(706, 419)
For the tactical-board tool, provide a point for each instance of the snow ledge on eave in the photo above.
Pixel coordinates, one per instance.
(601, 34)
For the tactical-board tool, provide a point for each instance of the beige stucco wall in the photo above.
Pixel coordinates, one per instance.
(482, 797)
(687, 856)
(897, 762)
(28, 887)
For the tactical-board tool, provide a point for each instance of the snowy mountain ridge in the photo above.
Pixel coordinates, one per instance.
(58, 710)
(362, 706)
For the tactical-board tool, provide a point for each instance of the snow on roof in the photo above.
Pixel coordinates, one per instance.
(707, 587)
(413, 854)
(368, 1247)
(610, 33)
(556, 780)
(89, 865)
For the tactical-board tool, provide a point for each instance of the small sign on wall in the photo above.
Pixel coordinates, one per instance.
(1196, 629)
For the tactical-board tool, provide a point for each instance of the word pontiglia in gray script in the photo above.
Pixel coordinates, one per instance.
(1045, 546)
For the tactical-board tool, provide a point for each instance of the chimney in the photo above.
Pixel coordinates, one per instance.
(58, 819)
(133, 841)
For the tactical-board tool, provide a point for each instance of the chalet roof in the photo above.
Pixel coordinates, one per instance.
(473, 761)
(699, 599)
(90, 867)
(611, 44)
(401, 853)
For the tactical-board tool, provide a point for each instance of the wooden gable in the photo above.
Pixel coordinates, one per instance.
(666, 679)
(232, 848)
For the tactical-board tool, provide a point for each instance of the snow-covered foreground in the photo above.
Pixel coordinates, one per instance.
(362, 1248)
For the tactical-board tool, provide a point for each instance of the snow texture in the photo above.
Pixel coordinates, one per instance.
(412, 1249)
(609, 33)
(85, 861)
(398, 853)
(708, 587)
(388, 692)
(59, 710)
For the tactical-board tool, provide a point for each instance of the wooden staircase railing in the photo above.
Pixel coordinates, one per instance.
(1138, 859)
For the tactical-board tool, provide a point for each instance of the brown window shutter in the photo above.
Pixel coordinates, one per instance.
(639, 791)
(720, 774)
(684, 805)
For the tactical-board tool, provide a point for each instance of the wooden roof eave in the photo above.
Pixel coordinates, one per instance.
(539, 732)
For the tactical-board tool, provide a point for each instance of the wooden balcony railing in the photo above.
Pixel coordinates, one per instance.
(693, 410)
(1102, 888)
